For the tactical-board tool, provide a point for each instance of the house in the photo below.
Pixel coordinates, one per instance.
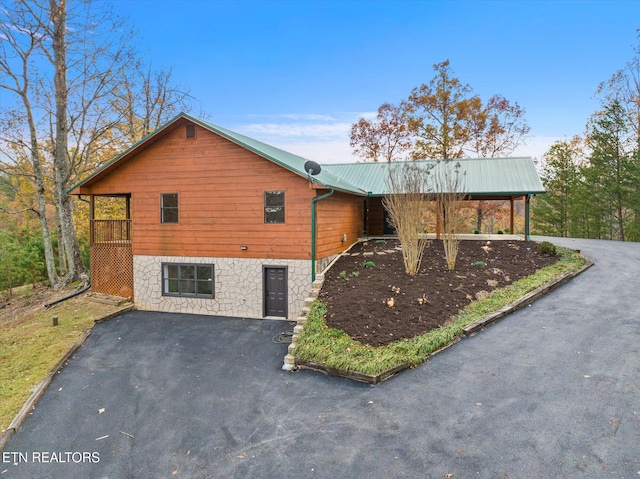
(218, 223)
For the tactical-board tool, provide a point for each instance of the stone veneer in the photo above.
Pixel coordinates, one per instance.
(238, 286)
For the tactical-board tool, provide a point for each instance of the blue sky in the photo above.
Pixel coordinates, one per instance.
(296, 74)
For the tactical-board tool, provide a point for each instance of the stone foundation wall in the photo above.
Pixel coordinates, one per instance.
(238, 286)
(322, 263)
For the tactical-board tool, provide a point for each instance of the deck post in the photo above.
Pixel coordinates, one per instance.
(527, 235)
(511, 222)
(92, 213)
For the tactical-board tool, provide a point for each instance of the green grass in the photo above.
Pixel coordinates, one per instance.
(335, 349)
(30, 346)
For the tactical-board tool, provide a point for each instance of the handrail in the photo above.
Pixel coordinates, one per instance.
(112, 232)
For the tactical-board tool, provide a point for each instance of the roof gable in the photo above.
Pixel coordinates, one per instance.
(289, 161)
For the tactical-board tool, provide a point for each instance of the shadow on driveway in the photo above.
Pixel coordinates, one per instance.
(550, 391)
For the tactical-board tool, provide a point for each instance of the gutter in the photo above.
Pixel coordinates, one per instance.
(313, 232)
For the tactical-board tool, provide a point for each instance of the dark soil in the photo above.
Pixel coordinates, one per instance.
(358, 297)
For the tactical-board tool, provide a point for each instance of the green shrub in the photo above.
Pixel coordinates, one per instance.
(547, 248)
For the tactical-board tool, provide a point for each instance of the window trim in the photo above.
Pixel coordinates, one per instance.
(162, 209)
(165, 280)
(284, 207)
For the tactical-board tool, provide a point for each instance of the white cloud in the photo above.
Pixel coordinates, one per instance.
(319, 137)
(325, 137)
(297, 130)
(321, 151)
(296, 116)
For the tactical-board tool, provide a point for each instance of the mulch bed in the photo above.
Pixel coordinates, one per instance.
(358, 297)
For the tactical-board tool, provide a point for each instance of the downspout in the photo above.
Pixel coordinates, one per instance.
(76, 293)
(313, 232)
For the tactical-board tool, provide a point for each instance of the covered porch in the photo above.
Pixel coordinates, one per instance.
(482, 180)
(376, 224)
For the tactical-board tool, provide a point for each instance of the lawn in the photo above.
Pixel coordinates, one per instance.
(30, 346)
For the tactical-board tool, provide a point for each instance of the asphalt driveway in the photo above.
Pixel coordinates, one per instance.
(552, 391)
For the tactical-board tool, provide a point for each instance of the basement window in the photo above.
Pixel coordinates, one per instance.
(188, 280)
(169, 208)
(191, 130)
(274, 206)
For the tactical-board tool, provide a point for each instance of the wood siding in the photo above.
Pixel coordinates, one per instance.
(220, 188)
(337, 215)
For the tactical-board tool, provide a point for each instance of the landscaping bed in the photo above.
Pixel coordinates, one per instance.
(359, 303)
(352, 328)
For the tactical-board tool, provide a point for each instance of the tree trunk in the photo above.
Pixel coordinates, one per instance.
(62, 258)
(38, 174)
(62, 164)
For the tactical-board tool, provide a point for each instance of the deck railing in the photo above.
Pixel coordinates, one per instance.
(111, 232)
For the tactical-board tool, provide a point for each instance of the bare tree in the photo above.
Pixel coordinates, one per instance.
(448, 185)
(407, 204)
(145, 100)
(77, 57)
(21, 36)
(624, 87)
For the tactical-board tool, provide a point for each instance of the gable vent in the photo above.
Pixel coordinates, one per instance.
(191, 130)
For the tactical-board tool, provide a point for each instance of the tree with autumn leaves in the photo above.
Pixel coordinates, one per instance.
(80, 93)
(442, 120)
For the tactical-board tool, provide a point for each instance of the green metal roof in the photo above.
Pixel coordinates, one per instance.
(483, 176)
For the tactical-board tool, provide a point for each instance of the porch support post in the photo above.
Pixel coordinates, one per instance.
(511, 222)
(527, 234)
(128, 217)
(92, 212)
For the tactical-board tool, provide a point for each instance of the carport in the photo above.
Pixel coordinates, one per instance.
(485, 179)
